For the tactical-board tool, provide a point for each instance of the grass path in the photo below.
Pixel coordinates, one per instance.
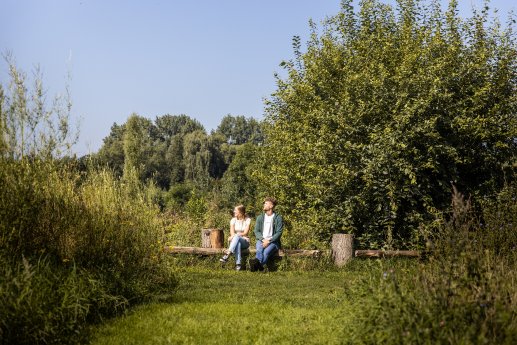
(226, 307)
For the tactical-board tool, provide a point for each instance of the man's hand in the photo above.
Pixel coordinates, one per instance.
(265, 243)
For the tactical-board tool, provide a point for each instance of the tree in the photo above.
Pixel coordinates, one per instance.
(111, 153)
(161, 156)
(239, 130)
(169, 126)
(137, 145)
(29, 126)
(196, 157)
(382, 112)
(238, 184)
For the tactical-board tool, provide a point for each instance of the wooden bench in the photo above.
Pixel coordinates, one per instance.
(221, 251)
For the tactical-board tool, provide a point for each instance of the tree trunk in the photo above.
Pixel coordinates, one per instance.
(216, 238)
(342, 248)
(205, 238)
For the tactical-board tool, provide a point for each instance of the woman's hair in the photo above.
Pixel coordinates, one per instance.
(241, 209)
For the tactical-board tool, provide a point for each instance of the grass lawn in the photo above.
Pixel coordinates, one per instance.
(220, 306)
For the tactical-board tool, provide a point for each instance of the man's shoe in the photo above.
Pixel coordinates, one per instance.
(254, 264)
(224, 258)
(238, 267)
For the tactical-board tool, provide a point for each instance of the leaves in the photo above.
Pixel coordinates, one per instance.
(386, 107)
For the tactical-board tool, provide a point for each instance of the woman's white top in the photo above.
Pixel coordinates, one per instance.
(240, 224)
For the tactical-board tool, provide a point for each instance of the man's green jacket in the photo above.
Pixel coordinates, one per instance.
(278, 227)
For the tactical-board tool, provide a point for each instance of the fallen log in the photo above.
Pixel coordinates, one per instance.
(386, 253)
(216, 251)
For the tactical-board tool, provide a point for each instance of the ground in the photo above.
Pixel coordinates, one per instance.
(220, 306)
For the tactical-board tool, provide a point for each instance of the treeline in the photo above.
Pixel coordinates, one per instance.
(176, 154)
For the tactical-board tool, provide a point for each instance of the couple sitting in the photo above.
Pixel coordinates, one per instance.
(268, 230)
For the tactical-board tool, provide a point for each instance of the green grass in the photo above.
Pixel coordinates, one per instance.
(218, 306)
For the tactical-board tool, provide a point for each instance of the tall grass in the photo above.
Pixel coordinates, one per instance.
(73, 248)
(466, 293)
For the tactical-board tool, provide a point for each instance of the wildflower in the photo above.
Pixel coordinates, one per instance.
(442, 323)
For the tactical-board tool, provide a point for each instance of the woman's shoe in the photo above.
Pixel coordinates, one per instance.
(238, 267)
(224, 258)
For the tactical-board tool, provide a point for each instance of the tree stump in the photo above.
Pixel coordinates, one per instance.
(342, 248)
(216, 238)
(205, 238)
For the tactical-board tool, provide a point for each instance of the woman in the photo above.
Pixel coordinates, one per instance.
(239, 228)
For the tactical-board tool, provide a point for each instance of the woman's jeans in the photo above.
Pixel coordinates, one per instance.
(264, 254)
(236, 245)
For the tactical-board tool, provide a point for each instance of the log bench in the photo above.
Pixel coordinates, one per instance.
(221, 251)
(212, 241)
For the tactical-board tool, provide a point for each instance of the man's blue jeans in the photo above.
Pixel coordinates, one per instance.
(236, 245)
(264, 254)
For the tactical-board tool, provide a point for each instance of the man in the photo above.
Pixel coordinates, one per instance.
(268, 230)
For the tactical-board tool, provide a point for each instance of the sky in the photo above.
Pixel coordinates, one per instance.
(201, 58)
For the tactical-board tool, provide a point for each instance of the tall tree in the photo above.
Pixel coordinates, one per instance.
(111, 153)
(137, 145)
(196, 157)
(383, 111)
(239, 130)
(238, 184)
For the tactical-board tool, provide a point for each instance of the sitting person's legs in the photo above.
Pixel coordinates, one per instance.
(260, 251)
(268, 252)
(263, 254)
(233, 244)
(231, 249)
(241, 245)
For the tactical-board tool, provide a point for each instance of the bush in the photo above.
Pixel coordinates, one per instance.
(386, 106)
(464, 294)
(40, 303)
(103, 227)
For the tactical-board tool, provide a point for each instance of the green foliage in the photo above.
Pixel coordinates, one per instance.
(239, 130)
(464, 294)
(40, 304)
(104, 227)
(30, 127)
(382, 112)
(238, 184)
(137, 144)
(111, 154)
(154, 149)
(75, 246)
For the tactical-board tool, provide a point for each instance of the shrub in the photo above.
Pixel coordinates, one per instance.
(40, 303)
(98, 224)
(464, 294)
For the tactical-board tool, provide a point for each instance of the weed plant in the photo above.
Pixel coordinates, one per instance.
(465, 293)
(73, 248)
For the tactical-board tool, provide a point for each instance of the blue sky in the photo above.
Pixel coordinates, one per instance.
(202, 58)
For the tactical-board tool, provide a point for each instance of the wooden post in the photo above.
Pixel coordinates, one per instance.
(342, 248)
(205, 238)
(216, 238)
